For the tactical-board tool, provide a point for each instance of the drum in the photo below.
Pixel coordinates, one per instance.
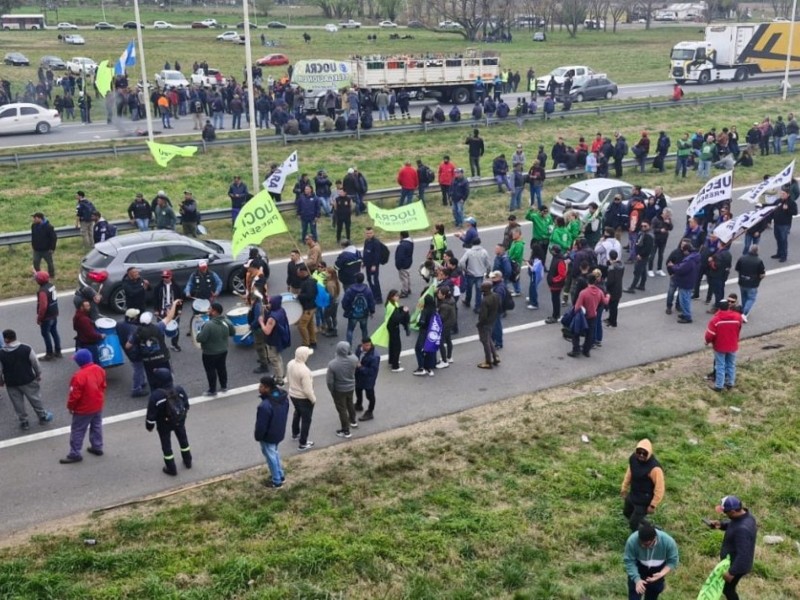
(109, 350)
(201, 305)
(243, 335)
(171, 330)
(198, 321)
(292, 307)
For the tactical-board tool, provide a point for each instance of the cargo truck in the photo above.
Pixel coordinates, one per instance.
(735, 52)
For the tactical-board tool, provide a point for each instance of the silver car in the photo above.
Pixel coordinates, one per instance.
(156, 251)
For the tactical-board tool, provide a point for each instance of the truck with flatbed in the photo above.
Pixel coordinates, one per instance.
(735, 52)
(209, 79)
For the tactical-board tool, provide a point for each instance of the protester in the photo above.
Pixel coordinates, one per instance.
(166, 412)
(403, 260)
(487, 315)
(341, 381)
(47, 315)
(300, 384)
(213, 340)
(722, 333)
(739, 543)
(271, 417)
(650, 555)
(20, 373)
(126, 329)
(369, 362)
(751, 271)
(87, 391)
(149, 344)
(643, 484)
(43, 243)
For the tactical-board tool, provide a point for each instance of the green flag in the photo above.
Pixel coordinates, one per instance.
(163, 153)
(430, 291)
(380, 336)
(103, 77)
(712, 588)
(258, 219)
(404, 218)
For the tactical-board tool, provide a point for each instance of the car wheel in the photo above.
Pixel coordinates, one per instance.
(579, 98)
(43, 127)
(117, 301)
(609, 95)
(236, 282)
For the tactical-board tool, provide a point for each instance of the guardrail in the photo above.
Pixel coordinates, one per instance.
(17, 158)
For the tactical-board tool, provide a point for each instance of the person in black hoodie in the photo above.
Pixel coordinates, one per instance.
(403, 259)
(271, 417)
(741, 532)
(166, 412)
(369, 362)
(43, 242)
(399, 318)
(307, 296)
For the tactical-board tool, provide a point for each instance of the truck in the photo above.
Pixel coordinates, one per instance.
(735, 52)
(350, 24)
(213, 78)
(171, 79)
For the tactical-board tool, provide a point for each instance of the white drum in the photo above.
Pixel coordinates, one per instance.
(198, 321)
(171, 330)
(292, 307)
(201, 305)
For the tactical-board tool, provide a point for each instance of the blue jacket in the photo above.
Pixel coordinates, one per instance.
(367, 370)
(404, 255)
(499, 166)
(352, 292)
(459, 189)
(684, 274)
(372, 252)
(470, 235)
(348, 264)
(271, 417)
(308, 207)
(503, 264)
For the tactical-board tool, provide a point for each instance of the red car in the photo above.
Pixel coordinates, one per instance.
(273, 60)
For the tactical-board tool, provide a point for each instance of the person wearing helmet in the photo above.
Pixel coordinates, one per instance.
(47, 315)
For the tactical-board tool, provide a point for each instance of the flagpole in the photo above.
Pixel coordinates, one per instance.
(146, 86)
(251, 104)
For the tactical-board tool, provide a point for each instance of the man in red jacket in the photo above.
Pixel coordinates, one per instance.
(87, 393)
(723, 332)
(590, 298)
(447, 172)
(408, 180)
(86, 335)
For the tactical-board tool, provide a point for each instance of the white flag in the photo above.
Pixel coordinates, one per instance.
(776, 181)
(727, 231)
(715, 190)
(277, 179)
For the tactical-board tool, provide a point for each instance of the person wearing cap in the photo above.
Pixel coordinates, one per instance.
(166, 419)
(87, 396)
(164, 296)
(163, 214)
(723, 333)
(739, 543)
(374, 250)
(204, 284)
(43, 243)
(47, 315)
(20, 373)
(239, 196)
(643, 484)
(782, 218)
(148, 342)
(445, 176)
(125, 329)
(213, 340)
(271, 417)
(140, 213)
(459, 193)
(650, 555)
(190, 214)
(135, 288)
(86, 335)
(469, 236)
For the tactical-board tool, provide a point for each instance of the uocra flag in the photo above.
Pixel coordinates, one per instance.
(776, 181)
(715, 190)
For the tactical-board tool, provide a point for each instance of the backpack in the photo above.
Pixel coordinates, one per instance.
(516, 270)
(174, 408)
(285, 333)
(625, 148)
(360, 307)
(508, 302)
(384, 253)
(111, 231)
(427, 174)
(323, 297)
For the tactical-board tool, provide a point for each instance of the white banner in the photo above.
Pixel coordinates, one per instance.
(727, 231)
(776, 181)
(715, 190)
(275, 182)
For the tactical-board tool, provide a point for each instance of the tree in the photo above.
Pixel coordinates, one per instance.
(645, 6)
(782, 8)
(390, 8)
(617, 11)
(598, 11)
(7, 5)
(263, 7)
(468, 13)
(572, 14)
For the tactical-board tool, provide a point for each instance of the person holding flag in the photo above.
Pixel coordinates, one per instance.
(388, 334)
(126, 59)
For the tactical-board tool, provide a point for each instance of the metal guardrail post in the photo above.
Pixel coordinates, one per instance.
(16, 159)
(114, 149)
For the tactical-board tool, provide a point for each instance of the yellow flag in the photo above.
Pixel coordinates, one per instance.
(163, 153)
(405, 218)
(103, 77)
(258, 219)
(381, 335)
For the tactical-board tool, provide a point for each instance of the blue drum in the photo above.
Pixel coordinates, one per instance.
(109, 349)
(243, 335)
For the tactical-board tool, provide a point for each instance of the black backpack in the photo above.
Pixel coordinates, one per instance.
(427, 174)
(508, 301)
(384, 253)
(516, 271)
(174, 408)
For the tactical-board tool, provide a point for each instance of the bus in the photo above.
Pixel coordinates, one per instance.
(22, 22)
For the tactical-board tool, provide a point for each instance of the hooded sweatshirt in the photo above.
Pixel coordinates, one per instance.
(298, 375)
(644, 479)
(341, 375)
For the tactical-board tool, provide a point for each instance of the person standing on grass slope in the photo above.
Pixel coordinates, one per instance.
(741, 532)
(20, 373)
(213, 340)
(43, 243)
(238, 194)
(271, 417)
(650, 555)
(87, 395)
(475, 151)
(643, 485)
(83, 218)
(751, 271)
(408, 180)
(723, 333)
(166, 413)
(369, 361)
(47, 315)
(190, 214)
(447, 172)
(341, 381)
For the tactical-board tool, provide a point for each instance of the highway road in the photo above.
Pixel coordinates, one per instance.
(220, 429)
(72, 132)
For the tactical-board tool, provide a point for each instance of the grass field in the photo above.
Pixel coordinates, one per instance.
(503, 501)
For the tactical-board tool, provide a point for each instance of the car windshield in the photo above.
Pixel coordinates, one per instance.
(214, 246)
(97, 260)
(559, 72)
(682, 54)
(574, 195)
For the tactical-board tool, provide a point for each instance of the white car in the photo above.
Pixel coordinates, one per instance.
(331, 28)
(66, 26)
(560, 74)
(81, 64)
(210, 22)
(26, 118)
(171, 79)
(161, 25)
(578, 195)
(387, 25)
(448, 24)
(228, 36)
(74, 39)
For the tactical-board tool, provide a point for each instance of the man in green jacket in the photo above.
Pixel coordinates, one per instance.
(213, 340)
(542, 226)
(516, 251)
(650, 554)
(684, 150)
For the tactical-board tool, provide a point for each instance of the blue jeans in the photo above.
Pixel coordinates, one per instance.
(533, 293)
(473, 283)
(651, 593)
(749, 240)
(776, 144)
(685, 302)
(142, 224)
(325, 203)
(791, 140)
(165, 118)
(724, 369)
(748, 295)
(782, 239)
(236, 121)
(458, 213)
(217, 119)
(598, 330)
(270, 452)
(516, 199)
(49, 331)
(502, 180)
(497, 331)
(383, 113)
(704, 169)
(671, 291)
(681, 165)
(139, 376)
(406, 197)
(536, 192)
(309, 226)
(351, 325)
(421, 191)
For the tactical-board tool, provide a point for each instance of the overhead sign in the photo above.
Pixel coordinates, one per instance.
(715, 190)
(322, 73)
(405, 218)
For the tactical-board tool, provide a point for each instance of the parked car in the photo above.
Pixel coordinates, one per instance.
(331, 28)
(104, 25)
(199, 25)
(276, 25)
(350, 24)
(80, 64)
(273, 60)
(240, 25)
(53, 62)
(16, 59)
(540, 36)
(210, 23)
(448, 24)
(593, 88)
(578, 195)
(560, 75)
(74, 39)
(66, 26)
(132, 25)
(171, 79)
(22, 117)
(414, 24)
(228, 36)
(162, 25)
(387, 25)
(154, 251)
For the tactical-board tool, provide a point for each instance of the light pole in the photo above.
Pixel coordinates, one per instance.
(251, 104)
(789, 52)
(145, 85)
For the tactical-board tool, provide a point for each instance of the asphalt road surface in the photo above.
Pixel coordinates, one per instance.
(534, 357)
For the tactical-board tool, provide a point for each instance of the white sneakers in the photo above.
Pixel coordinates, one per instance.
(651, 274)
(442, 364)
(661, 273)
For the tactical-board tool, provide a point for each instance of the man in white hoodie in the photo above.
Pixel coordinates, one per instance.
(300, 384)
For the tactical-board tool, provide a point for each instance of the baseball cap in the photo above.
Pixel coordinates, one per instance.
(495, 275)
(187, 191)
(202, 263)
(41, 277)
(519, 146)
(146, 318)
(471, 221)
(351, 170)
(132, 313)
(139, 195)
(82, 357)
(166, 273)
(162, 193)
(729, 503)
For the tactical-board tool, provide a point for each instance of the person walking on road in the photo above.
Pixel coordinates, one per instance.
(20, 373)
(643, 484)
(307, 297)
(87, 396)
(341, 381)
(271, 417)
(166, 413)
(300, 383)
(487, 315)
(47, 315)
(723, 333)
(650, 555)
(751, 271)
(739, 543)
(213, 340)
(375, 254)
(358, 305)
(43, 243)
(369, 361)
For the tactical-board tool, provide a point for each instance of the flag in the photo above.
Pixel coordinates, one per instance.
(380, 337)
(776, 181)
(404, 218)
(276, 180)
(126, 59)
(163, 153)
(712, 588)
(103, 77)
(258, 219)
(715, 190)
(727, 231)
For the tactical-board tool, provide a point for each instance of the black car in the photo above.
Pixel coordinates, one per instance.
(53, 62)
(595, 88)
(16, 59)
(276, 25)
(415, 25)
(106, 26)
(132, 25)
(241, 26)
